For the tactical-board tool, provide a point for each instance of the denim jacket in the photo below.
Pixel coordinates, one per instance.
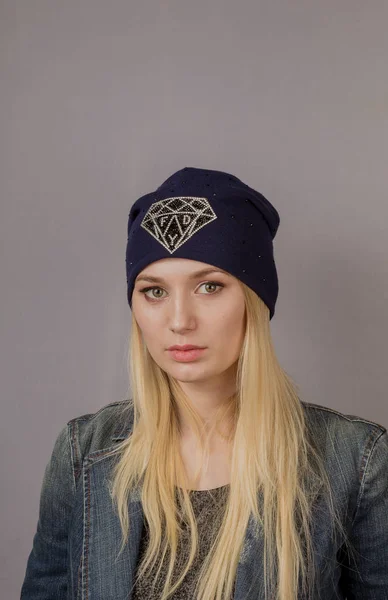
(78, 533)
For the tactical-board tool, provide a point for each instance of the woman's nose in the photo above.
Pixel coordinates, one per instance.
(182, 315)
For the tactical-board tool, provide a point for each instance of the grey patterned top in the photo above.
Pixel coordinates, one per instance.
(208, 508)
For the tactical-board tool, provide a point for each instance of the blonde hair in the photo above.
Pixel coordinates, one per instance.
(272, 454)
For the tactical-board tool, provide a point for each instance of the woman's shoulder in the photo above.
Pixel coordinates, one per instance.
(318, 413)
(100, 430)
(339, 433)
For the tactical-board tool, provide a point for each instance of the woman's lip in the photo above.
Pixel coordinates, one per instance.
(185, 349)
(186, 355)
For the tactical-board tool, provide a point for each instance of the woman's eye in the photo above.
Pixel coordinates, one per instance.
(149, 289)
(207, 283)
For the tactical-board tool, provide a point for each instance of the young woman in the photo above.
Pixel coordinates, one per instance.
(214, 480)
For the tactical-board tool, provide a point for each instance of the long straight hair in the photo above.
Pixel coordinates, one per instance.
(276, 472)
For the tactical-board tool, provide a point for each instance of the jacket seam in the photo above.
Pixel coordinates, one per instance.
(86, 529)
(79, 578)
(365, 462)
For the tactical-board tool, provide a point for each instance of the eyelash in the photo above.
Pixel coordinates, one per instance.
(156, 287)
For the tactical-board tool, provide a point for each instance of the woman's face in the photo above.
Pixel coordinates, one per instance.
(182, 307)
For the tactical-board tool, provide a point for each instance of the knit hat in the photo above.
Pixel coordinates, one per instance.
(209, 216)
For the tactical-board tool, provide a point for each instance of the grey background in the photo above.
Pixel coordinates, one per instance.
(102, 101)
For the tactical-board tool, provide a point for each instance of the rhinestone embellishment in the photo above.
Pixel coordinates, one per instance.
(175, 220)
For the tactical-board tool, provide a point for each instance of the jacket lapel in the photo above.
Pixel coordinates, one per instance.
(105, 574)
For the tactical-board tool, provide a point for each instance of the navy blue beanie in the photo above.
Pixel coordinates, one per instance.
(209, 216)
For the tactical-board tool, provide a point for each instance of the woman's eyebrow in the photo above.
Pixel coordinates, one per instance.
(201, 273)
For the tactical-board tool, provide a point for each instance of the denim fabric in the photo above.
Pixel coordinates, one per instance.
(78, 532)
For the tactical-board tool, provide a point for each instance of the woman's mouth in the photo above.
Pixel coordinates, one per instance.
(186, 355)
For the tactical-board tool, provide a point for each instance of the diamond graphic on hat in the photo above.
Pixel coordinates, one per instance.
(173, 221)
